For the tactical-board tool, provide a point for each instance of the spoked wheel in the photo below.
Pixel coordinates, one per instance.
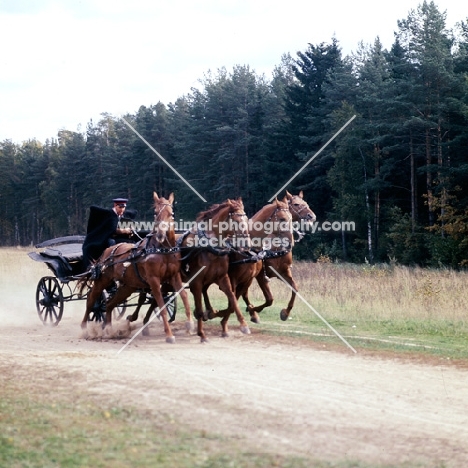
(49, 301)
(171, 307)
(119, 311)
(98, 314)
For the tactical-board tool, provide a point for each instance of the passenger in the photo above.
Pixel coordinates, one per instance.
(103, 229)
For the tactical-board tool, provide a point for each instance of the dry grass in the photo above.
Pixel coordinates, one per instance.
(384, 293)
(391, 307)
(364, 292)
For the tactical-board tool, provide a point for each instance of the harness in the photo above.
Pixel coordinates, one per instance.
(299, 233)
(252, 256)
(137, 253)
(202, 234)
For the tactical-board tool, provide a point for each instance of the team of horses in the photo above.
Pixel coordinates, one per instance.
(223, 247)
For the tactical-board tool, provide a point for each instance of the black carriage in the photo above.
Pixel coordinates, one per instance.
(64, 258)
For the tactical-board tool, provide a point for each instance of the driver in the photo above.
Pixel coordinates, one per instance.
(103, 229)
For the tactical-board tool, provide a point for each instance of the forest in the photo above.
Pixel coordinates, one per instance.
(399, 170)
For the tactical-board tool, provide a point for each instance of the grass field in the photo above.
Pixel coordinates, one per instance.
(374, 307)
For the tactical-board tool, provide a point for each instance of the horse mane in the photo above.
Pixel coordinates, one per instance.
(275, 204)
(213, 210)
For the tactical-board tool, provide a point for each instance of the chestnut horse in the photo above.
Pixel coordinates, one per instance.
(301, 212)
(274, 218)
(205, 258)
(279, 260)
(147, 265)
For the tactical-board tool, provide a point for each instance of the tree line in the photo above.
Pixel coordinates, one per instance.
(399, 170)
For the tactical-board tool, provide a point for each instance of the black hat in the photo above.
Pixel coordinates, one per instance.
(120, 201)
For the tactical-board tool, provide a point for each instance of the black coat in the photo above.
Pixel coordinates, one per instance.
(102, 226)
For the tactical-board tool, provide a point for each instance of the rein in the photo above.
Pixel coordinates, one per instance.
(134, 255)
(300, 234)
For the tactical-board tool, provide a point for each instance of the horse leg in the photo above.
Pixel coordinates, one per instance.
(254, 317)
(243, 290)
(263, 283)
(141, 301)
(196, 289)
(155, 285)
(245, 298)
(224, 313)
(151, 309)
(209, 311)
(178, 286)
(226, 287)
(93, 296)
(284, 314)
(122, 293)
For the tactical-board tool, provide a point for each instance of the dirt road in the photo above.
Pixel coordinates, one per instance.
(276, 394)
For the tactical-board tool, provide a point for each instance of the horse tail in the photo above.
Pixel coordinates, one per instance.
(91, 274)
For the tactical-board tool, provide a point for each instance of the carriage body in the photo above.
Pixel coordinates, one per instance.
(63, 256)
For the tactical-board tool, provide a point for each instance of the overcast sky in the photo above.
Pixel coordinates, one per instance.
(65, 62)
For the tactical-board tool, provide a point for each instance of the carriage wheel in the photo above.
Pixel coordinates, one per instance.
(98, 313)
(119, 311)
(171, 308)
(49, 301)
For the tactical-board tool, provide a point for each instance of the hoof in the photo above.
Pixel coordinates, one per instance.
(189, 327)
(225, 334)
(145, 331)
(170, 339)
(108, 331)
(210, 314)
(203, 339)
(255, 318)
(284, 315)
(245, 330)
(93, 331)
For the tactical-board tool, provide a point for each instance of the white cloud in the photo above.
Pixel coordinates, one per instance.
(65, 62)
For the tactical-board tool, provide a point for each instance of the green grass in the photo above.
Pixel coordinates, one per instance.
(71, 433)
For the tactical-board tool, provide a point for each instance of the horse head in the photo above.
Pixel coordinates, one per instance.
(300, 210)
(272, 225)
(163, 217)
(281, 217)
(226, 220)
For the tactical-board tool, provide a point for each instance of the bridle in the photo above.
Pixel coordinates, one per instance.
(162, 234)
(274, 216)
(163, 207)
(298, 212)
(244, 233)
